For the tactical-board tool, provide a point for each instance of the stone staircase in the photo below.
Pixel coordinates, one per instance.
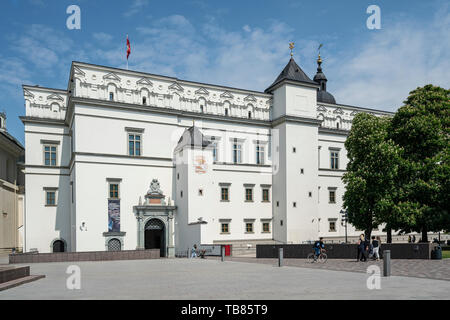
(245, 248)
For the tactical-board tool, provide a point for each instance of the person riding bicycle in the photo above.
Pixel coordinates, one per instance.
(319, 247)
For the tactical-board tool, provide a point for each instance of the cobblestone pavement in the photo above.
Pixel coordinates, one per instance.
(430, 269)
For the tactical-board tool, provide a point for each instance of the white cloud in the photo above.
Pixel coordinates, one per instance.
(392, 62)
(136, 7)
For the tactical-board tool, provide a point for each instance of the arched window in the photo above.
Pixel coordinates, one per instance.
(58, 246)
(114, 245)
(144, 101)
(202, 104)
(111, 96)
(249, 114)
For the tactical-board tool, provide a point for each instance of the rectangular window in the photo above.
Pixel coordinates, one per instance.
(215, 151)
(134, 144)
(224, 194)
(332, 226)
(332, 196)
(50, 198)
(237, 153)
(248, 194)
(50, 155)
(334, 160)
(266, 227)
(249, 227)
(260, 153)
(224, 228)
(114, 191)
(265, 195)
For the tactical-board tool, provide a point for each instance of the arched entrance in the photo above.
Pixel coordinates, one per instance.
(58, 246)
(155, 236)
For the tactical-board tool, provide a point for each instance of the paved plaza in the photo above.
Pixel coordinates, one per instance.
(213, 279)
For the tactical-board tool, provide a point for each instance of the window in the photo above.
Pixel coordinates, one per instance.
(248, 194)
(278, 203)
(337, 125)
(215, 151)
(201, 109)
(302, 171)
(334, 159)
(332, 226)
(249, 227)
(260, 151)
(237, 152)
(200, 192)
(265, 195)
(50, 155)
(294, 204)
(134, 144)
(310, 194)
(332, 196)
(50, 198)
(281, 222)
(225, 227)
(266, 227)
(111, 96)
(114, 191)
(294, 150)
(181, 194)
(224, 194)
(226, 111)
(144, 100)
(249, 114)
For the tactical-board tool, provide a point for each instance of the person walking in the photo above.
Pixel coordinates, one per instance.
(376, 248)
(194, 251)
(361, 248)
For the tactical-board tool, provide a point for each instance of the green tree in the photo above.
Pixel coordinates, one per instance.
(371, 171)
(421, 129)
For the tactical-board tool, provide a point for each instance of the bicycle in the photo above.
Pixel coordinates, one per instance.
(321, 258)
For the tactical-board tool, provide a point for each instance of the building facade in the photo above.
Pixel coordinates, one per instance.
(12, 193)
(124, 160)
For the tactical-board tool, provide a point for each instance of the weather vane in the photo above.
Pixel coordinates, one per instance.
(320, 46)
(291, 46)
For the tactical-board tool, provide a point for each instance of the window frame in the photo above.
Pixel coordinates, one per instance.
(252, 226)
(134, 134)
(262, 226)
(330, 192)
(222, 229)
(50, 145)
(236, 152)
(334, 160)
(222, 188)
(47, 191)
(260, 154)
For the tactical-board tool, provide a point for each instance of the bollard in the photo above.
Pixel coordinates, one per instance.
(280, 257)
(223, 253)
(387, 263)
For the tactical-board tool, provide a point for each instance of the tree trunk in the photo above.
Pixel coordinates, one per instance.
(367, 234)
(424, 234)
(388, 235)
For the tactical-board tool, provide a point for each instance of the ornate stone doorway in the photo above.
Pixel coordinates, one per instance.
(154, 237)
(155, 222)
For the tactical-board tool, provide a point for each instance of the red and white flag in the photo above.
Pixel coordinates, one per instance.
(128, 47)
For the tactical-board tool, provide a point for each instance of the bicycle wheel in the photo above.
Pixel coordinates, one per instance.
(323, 258)
(310, 257)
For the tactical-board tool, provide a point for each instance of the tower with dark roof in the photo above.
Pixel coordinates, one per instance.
(321, 79)
(295, 136)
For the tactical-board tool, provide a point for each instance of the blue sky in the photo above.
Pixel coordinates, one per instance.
(236, 43)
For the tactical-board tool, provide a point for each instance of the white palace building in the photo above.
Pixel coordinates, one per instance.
(126, 160)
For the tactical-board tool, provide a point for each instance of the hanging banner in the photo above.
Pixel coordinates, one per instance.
(113, 215)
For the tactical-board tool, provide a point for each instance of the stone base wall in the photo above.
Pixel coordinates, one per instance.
(84, 256)
(346, 251)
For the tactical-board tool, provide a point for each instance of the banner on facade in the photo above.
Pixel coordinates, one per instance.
(113, 215)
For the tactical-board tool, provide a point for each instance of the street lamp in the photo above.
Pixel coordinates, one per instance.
(344, 217)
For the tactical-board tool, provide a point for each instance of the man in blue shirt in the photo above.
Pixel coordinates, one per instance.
(319, 246)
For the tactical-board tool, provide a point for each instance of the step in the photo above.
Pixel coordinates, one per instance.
(9, 273)
(18, 282)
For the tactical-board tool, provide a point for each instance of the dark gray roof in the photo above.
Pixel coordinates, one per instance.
(291, 72)
(326, 97)
(192, 137)
(12, 139)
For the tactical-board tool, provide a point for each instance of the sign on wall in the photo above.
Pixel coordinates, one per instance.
(113, 215)
(200, 164)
